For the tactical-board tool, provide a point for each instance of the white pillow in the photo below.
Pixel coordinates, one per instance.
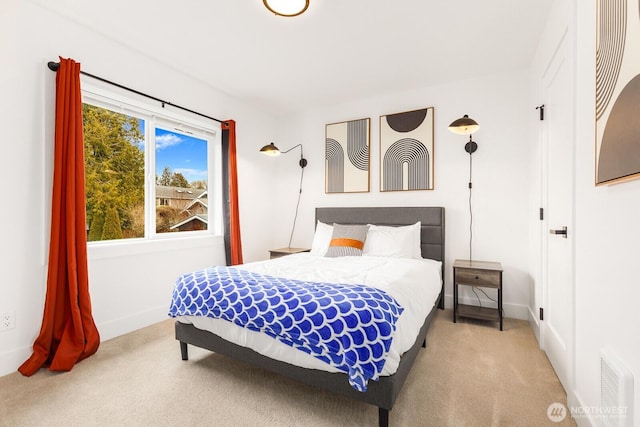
(321, 239)
(393, 242)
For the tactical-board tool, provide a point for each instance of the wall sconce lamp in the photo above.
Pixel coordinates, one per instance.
(273, 151)
(466, 126)
(286, 8)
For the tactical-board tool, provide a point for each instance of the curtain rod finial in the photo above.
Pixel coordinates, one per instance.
(53, 66)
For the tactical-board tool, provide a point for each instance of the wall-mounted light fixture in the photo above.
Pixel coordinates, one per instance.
(273, 151)
(287, 7)
(466, 126)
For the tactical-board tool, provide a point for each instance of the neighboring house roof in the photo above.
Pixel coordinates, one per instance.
(168, 192)
(191, 196)
(198, 201)
(200, 217)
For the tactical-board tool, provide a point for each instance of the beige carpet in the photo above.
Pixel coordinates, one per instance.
(470, 374)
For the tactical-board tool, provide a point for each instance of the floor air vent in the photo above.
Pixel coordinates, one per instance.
(616, 392)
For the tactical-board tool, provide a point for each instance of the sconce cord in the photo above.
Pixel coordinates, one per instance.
(470, 209)
(297, 206)
(299, 195)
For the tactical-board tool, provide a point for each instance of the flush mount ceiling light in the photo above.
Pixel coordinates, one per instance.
(287, 7)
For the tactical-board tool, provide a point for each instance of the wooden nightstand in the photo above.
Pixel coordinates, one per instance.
(277, 253)
(480, 274)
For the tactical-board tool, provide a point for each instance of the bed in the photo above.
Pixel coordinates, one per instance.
(384, 391)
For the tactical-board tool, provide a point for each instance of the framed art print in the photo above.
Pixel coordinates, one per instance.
(406, 151)
(347, 156)
(617, 91)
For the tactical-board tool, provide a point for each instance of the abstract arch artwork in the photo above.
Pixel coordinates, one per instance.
(617, 92)
(347, 156)
(406, 151)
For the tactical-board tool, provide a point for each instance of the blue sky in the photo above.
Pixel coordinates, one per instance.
(182, 153)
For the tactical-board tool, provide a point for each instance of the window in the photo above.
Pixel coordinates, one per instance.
(181, 182)
(149, 173)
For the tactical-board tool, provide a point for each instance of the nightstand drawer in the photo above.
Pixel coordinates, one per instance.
(478, 277)
(277, 253)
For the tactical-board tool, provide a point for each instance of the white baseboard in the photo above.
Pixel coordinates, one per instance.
(573, 401)
(534, 323)
(11, 360)
(514, 311)
(124, 325)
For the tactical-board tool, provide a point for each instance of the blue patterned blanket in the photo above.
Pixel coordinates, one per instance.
(347, 326)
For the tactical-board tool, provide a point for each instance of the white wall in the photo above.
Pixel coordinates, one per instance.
(606, 232)
(500, 104)
(131, 289)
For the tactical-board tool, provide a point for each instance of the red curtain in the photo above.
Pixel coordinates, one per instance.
(229, 134)
(68, 333)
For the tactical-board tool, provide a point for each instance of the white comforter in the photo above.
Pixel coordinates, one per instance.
(414, 283)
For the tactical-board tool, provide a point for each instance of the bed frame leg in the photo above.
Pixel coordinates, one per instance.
(383, 417)
(184, 351)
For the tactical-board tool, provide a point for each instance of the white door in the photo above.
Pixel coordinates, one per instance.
(557, 294)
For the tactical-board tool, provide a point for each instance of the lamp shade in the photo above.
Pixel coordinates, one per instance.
(287, 7)
(270, 150)
(464, 126)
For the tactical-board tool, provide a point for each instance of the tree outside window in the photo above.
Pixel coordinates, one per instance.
(115, 165)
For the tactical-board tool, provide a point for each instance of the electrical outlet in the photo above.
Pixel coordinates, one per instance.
(8, 321)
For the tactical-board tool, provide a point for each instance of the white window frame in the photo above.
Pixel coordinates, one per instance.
(169, 118)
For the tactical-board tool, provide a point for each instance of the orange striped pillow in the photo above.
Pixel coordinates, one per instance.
(347, 240)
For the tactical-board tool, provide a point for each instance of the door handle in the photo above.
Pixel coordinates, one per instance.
(562, 232)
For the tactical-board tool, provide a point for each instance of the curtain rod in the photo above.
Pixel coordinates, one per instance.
(53, 66)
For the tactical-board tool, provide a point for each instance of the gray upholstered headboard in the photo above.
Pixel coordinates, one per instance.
(431, 220)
